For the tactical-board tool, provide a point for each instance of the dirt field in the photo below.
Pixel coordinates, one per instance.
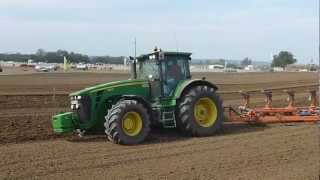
(29, 149)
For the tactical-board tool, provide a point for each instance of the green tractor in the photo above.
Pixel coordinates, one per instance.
(160, 92)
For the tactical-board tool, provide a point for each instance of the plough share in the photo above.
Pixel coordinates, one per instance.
(269, 114)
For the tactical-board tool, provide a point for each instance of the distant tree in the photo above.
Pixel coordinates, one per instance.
(17, 57)
(233, 66)
(245, 62)
(61, 52)
(283, 59)
(40, 52)
(108, 59)
(76, 57)
(57, 57)
(221, 62)
(53, 57)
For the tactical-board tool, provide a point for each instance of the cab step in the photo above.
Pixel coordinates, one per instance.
(168, 119)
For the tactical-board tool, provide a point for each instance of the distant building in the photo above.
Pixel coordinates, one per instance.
(249, 68)
(30, 61)
(297, 68)
(278, 69)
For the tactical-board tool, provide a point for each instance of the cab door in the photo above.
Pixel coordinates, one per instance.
(173, 72)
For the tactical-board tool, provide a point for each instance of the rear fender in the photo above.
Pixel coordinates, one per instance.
(186, 85)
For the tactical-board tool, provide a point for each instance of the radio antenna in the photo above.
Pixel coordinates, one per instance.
(319, 51)
(176, 42)
(135, 48)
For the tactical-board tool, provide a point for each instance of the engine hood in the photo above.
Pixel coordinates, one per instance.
(108, 85)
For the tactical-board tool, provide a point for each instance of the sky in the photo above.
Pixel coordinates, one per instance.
(208, 28)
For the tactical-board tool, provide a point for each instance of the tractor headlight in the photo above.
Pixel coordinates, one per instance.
(75, 98)
(75, 104)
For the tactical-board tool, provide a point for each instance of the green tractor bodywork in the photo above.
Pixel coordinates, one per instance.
(159, 81)
(94, 103)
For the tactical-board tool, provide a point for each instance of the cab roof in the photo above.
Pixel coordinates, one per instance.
(165, 55)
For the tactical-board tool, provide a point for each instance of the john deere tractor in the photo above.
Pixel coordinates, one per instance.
(160, 92)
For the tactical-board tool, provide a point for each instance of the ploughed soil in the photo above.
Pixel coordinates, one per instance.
(29, 149)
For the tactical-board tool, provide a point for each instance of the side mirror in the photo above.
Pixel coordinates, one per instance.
(131, 58)
(161, 56)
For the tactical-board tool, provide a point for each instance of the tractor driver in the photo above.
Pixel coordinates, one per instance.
(173, 76)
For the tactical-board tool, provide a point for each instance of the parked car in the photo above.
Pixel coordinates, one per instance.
(83, 67)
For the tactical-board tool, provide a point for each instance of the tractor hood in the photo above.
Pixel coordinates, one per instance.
(109, 85)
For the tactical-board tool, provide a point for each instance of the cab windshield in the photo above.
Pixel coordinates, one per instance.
(147, 68)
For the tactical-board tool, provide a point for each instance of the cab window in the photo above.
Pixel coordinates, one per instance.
(147, 68)
(174, 71)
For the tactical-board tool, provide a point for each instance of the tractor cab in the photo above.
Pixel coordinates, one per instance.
(165, 70)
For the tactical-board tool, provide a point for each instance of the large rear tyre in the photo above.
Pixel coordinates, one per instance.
(127, 122)
(200, 112)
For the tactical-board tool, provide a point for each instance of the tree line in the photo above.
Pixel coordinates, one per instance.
(58, 57)
(282, 59)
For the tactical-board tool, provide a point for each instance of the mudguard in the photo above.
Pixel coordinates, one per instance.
(183, 86)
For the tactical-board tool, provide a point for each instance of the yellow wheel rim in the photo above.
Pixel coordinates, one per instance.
(132, 123)
(205, 112)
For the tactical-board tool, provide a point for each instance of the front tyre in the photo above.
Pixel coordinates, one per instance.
(127, 122)
(200, 112)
